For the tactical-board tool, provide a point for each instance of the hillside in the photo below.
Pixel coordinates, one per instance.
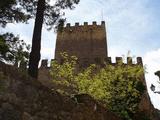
(22, 98)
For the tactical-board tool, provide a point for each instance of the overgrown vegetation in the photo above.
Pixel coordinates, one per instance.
(118, 87)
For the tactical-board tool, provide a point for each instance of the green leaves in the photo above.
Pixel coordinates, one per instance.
(118, 87)
(12, 49)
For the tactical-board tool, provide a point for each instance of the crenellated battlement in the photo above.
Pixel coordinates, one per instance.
(45, 63)
(77, 24)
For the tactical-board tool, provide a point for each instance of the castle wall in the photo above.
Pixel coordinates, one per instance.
(44, 70)
(44, 62)
(83, 41)
(89, 44)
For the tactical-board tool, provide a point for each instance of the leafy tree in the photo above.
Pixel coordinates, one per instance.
(13, 50)
(118, 87)
(64, 74)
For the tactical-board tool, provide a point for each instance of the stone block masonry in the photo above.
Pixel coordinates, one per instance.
(83, 41)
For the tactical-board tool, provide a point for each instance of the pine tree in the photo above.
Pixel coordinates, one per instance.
(43, 12)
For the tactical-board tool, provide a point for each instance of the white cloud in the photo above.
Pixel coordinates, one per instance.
(152, 60)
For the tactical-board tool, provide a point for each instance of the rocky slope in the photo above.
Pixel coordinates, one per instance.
(22, 98)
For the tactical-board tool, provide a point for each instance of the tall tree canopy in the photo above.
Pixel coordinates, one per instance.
(11, 11)
(43, 12)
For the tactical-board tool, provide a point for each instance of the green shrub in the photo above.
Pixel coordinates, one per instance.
(118, 87)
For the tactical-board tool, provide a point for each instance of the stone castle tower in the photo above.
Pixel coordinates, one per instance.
(87, 42)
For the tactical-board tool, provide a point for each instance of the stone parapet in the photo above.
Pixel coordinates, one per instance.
(98, 60)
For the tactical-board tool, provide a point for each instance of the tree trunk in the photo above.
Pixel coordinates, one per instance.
(36, 40)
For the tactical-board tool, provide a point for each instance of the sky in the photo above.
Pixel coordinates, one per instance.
(131, 25)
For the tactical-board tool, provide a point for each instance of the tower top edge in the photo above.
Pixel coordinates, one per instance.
(77, 24)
